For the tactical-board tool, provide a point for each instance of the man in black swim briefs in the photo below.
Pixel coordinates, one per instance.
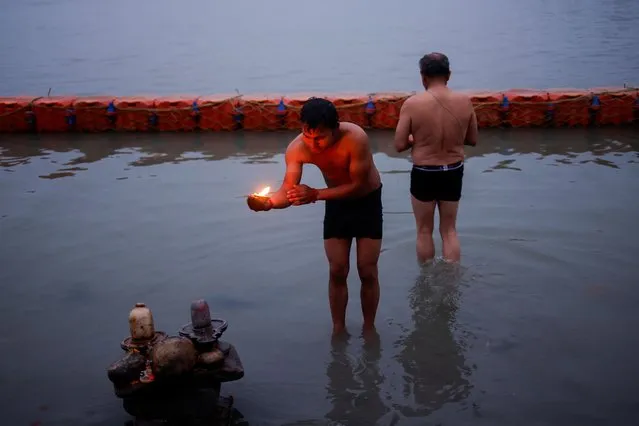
(437, 183)
(435, 125)
(353, 201)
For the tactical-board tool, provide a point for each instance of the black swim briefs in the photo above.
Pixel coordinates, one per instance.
(354, 217)
(437, 183)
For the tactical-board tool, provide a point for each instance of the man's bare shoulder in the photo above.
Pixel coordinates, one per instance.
(461, 95)
(417, 101)
(412, 100)
(354, 136)
(294, 150)
(352, 130)
(461, 98)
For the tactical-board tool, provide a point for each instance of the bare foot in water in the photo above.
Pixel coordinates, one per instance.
(339, 331)
(370, 334)
(372, 345)
(368, 329)
(340, 338)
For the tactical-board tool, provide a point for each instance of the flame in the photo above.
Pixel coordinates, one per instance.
(263, 192)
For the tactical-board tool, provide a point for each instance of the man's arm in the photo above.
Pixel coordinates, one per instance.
(292, 177)
(403, 129)
(359, 169)
(471, 132)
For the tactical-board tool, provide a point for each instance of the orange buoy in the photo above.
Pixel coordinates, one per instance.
(14, 115)
(54, 114)
(135, 114)
(92, 114)
(175, 113)
(487, 108)
(617, 106)
(528, 108)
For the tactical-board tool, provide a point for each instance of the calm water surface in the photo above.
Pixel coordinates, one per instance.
(125, 47)
(537, 326)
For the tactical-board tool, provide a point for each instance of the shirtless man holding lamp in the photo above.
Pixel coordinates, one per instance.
(353, 199)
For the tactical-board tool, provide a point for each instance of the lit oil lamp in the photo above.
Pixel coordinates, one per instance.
(259, 200)
(263, 193)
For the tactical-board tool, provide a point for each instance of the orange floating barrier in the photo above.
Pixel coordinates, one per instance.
(267, 112)
(263, 112)
(135, 114)
(386, 109)
(92, 114)
(54, 114)
(352, 108)
(616, 106)
(570, 107)
(175, 114)
(14, 115)
(527, 108)
(488, 108)
(294, 106)
(216, 113)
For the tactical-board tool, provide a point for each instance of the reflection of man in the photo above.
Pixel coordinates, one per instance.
(433, 359)
(436, 124)
(353, 201)
(354, 387)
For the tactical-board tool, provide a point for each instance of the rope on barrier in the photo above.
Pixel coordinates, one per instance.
(512, 108)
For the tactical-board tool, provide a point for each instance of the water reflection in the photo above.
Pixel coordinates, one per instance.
(354, 383)
(160, 233)
(148, 149)
(503, 165)
(431, 354)
(432, 358)
(600, 146)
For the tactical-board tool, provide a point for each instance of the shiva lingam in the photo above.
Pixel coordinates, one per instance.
(177, 378)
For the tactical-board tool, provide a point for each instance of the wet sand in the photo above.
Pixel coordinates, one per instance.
(537, 325)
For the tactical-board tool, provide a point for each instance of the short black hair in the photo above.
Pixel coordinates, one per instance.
(434, 64)
(319, 112)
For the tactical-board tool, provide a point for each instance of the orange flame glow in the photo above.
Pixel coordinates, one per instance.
(263, 192)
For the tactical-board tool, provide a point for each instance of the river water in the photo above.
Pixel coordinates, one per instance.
(537, 326)
(121, 47)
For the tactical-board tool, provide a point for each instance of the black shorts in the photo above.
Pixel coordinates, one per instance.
(354, 217)
(437, 183)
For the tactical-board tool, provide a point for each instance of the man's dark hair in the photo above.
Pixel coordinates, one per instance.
(434, 64)
(319, 112)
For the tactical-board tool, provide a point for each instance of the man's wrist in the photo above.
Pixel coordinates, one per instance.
(318, 196)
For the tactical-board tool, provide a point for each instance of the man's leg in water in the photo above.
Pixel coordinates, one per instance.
(447, 228)
(424, 212)
(368, 251)
(338, 253)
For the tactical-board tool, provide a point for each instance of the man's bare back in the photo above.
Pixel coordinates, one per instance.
(435, 125)
(441, 123)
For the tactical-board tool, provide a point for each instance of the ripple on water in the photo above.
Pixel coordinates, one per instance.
(547, 279)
